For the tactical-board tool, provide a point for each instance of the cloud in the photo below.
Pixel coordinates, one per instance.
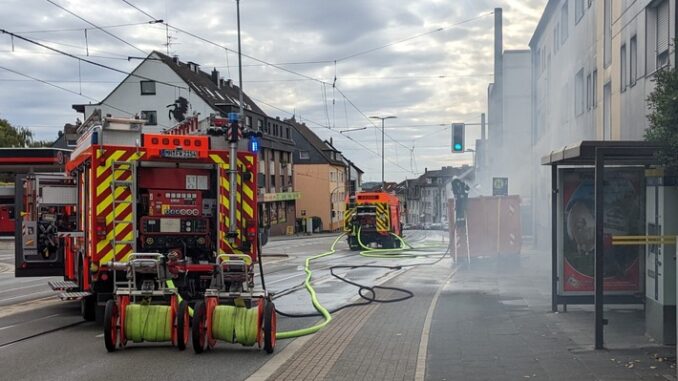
(441, 77)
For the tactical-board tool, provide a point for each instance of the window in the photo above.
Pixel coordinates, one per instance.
(151, 117)
(622, 68)
(287, 132)
(633, 61)
(594, 88)
(579, 92)
(589, 93)
(607, 97)
(564, 18)
(578, 10)
(333, 176)
(555, 39)
(607, 32)
(303, 155)
(147, 87)
(662, 34)
(260, 124)
(273, 183)
(248, 121)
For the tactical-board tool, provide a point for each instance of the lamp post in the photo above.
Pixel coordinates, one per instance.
(383, 183)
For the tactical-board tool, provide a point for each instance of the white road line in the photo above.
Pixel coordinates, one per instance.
(420, 372)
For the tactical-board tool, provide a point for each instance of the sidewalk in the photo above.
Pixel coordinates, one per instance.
(492, 321)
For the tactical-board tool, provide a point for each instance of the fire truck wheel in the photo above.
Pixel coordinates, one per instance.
(183, 325)
(199, 327)
(111, 326)
(269, 326)
(88, 307)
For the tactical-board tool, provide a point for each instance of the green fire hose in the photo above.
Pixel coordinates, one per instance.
(146, 322)
(314, 298)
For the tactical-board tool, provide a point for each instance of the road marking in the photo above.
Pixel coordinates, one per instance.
(420, 372)
(99, 335)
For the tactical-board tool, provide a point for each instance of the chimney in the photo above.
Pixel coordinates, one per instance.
(331, 142)
(425, 170)
(175, 59)
(222, 83)
(229, 82)
(215, 77)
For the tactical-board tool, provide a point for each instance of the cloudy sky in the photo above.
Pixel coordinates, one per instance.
(427, 61)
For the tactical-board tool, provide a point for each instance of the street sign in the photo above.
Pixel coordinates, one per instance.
(500, 186)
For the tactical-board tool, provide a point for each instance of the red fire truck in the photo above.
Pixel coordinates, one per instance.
(128, 192)
(373, 217)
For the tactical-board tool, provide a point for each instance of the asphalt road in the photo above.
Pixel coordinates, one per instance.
(47, 339)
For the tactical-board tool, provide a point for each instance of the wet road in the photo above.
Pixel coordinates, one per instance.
(46, 339)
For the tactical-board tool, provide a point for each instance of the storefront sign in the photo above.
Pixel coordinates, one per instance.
(283, 196)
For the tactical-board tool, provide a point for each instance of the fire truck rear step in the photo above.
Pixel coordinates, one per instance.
(74, 295)
(62, 285)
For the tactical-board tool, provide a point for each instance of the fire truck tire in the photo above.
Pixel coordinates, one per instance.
(111, 326)
(88, 307)
(183, 325)
(270, 323)
(199, 328)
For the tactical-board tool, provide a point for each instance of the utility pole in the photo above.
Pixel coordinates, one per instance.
(383, 155)
(233, 145)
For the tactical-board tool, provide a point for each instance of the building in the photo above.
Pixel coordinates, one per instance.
(355, 176)
(565, 92)
(593, 66)
(320, 175)
(409, 194)
(165, 91)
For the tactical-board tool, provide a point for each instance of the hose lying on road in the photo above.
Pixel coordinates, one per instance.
(367, 293)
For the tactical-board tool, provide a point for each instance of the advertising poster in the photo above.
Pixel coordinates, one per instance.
(624, 215)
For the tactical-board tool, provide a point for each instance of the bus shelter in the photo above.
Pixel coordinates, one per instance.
(599, 156)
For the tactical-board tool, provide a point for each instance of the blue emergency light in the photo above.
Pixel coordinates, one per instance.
(233, 117)
(254, 144)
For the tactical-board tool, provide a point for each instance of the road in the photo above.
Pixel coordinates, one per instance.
(46, 339)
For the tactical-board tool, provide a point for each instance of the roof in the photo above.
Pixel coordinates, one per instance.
(323, 148)
(201, 83)
(543, 21)
(619, 152)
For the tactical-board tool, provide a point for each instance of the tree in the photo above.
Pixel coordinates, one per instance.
(11, 136)
(663, 117)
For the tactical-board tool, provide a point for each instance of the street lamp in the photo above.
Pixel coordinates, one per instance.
(383, 183)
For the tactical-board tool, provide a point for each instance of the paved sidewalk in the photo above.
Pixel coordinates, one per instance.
(492, 321)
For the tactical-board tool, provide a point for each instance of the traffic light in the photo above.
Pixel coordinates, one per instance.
(458, 137)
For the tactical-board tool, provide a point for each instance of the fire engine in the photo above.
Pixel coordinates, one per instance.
(373, 217)
(126, 193)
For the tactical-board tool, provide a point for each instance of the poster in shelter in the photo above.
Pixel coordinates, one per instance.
(624, 214)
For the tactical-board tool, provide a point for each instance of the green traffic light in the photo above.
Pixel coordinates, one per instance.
(457, 147)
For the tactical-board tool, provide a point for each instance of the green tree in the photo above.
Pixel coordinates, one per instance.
(663, 117)
(11, 136)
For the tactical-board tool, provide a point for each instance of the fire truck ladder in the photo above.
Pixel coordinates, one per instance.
(461, 229)
(120, 168)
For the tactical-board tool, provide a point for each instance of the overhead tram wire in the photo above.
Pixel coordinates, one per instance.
(3, 31)
(412, 37)
(333, 131)
(81, 29)
(97, 27)
(69, 91)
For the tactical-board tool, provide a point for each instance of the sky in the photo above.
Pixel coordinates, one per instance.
(427, 62)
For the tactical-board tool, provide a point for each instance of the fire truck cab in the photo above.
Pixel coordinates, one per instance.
(124, 192)
(373, 217)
